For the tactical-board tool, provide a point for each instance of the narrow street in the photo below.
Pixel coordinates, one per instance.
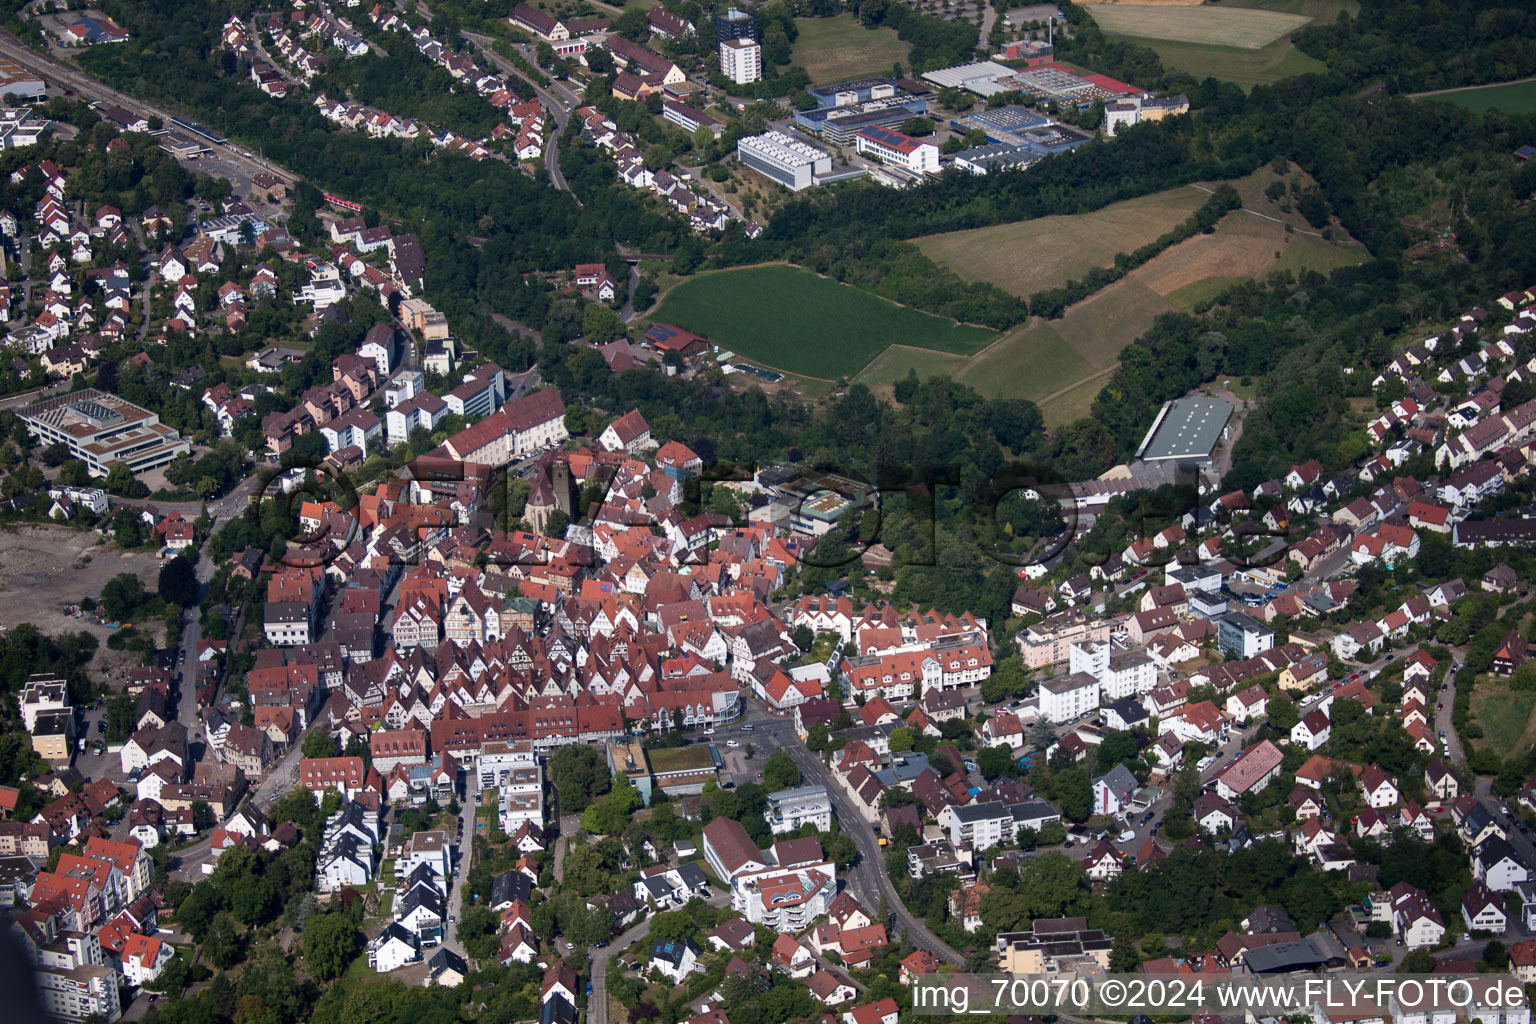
(463, 851)
(867, 879)
(559, 108)
(1444, 726)
(597, 1001)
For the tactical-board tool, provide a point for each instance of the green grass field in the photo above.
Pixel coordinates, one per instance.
(1505, 716)
(1028, 256)
(1511, 97)
(1196, 292)
(1190, 38)
(1240, 28)
(791, 319)
(1073, 404)
(892, 365)
(838, 49)
(1030, 363)
(1244, 68)
(1103, 324)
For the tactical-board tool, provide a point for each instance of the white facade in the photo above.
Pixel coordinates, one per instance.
(1067, 697)
(788, 809)
(898, 150)
(788, 161)
(741, 60)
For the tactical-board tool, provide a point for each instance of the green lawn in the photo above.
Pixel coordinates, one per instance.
(892, 365)
(1071, 405)
(672, 759)
(1504, 715)
(1243, 67)
(1316, 254)
(1031, 363)
(1245, 28)
(1191, 295)
(791, 319)
(838, 49)
(1102, 325)
(1198, 39)
(1511, 97)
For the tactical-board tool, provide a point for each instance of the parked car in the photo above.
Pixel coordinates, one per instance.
(733, 744)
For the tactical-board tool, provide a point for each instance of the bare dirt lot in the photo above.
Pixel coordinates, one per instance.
(43, 568)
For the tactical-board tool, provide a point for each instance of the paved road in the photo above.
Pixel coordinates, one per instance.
(282, 68)
(28, 397)
(1446, 701)
(466, 821)
(282, 778)
(867, 878)
(1523, 842)
(988, 19)
(597, 1002)
(87, 87)
(559, 106)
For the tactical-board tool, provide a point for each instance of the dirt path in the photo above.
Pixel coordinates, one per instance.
(1265, 216)
(1470, 88)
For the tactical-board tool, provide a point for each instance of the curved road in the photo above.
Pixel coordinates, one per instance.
(867, 879)
(597, 1002)
(559, 108)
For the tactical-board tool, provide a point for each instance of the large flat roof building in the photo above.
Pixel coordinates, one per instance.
(1003, 124)
(99, 428)
(977, 77)
(840, 124)
(1187, 429)
(995, 156)
(846, 94)
(788, 161)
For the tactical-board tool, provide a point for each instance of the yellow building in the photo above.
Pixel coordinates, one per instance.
(53, 733)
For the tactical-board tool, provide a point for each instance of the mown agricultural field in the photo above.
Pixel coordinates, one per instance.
(1061, 363)
(1247, 43)
(1032, 255)
(1510, 97)
(793, 320)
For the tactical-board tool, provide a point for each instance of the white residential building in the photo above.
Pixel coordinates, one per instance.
(1065, 698)
(741, 60)
(788, 809)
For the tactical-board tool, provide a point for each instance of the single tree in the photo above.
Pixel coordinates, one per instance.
(178, 582)
(330, 942)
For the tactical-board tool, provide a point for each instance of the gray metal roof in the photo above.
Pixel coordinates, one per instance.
(1186, 429)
